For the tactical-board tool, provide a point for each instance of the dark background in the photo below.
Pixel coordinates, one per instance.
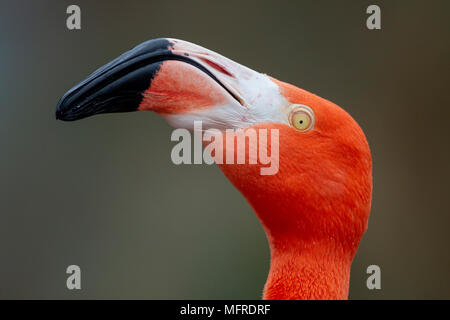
(103, 193)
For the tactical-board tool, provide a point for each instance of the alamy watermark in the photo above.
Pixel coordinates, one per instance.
(73, 21)
(374, 280)
(232, 146)
(73, 281)
(373, 22)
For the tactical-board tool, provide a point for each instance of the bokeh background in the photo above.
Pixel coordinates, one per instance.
(102, 193)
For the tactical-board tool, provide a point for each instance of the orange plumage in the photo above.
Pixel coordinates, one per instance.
(316, 208)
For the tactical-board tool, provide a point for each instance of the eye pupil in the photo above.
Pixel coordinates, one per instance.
(302, 118)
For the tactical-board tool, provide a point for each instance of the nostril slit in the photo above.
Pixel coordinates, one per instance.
(217, 67)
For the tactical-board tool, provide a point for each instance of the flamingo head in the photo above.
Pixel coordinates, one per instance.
(321, 187)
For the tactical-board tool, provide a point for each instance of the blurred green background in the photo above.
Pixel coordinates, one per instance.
(103, 193)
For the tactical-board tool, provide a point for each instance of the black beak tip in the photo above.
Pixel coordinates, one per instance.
(65, 111)
(117, 86)
(60, 114)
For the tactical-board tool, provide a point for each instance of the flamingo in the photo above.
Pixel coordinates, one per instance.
(314, 210)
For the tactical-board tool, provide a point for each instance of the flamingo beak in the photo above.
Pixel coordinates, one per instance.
(179, 80)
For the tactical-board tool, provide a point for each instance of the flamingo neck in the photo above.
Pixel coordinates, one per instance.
(308, 270)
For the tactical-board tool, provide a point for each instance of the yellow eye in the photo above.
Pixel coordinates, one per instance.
(302, 118)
